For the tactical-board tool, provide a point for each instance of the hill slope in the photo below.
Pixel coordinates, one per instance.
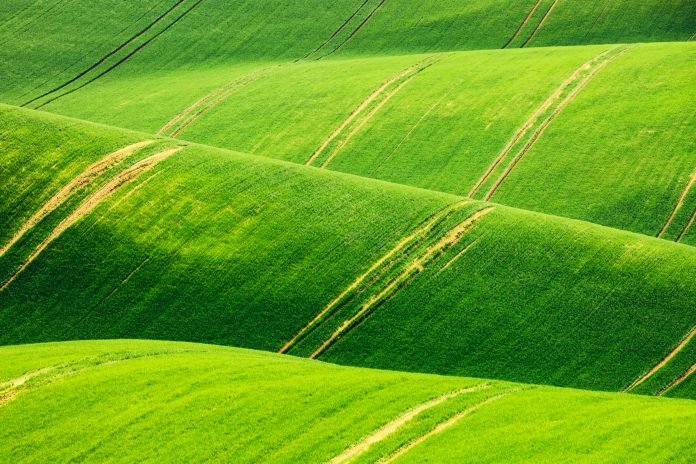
(129, 401)
(168, 241)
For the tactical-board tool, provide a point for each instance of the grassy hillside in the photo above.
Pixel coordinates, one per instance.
(599, 133)
(127, 401)
(207, 245)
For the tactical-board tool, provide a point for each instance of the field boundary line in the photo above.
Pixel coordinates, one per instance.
(125, 58)
(400, 245)
(550, 118)
(360, 108)
(541, 23)
(678, 205)
(335, 33)
(383, 432)
(83, 178)
(442, 426)
(108, 55)
(529, 123)
(416, 266)
(524, 23)
(126, 176)
(687, 226)
(357, 29)
(677, 381)
(684, 341)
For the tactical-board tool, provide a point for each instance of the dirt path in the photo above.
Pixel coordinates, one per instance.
(678, 380)
(443, 426)
(679, 204)
(82, 179)
(360, 108)
(124, 59)
(363, 445)
(541, 23)
(397, 283)
(524, 23)
(663, 362)
(549, 119)
(112, 186)
(687, 226)
(107, 56)
(424, 227)
(522, 131)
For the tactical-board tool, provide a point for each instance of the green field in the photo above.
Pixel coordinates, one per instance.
(347, 231)
(126, 401)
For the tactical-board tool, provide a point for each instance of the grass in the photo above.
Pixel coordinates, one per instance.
(149, 401)
(220, 247)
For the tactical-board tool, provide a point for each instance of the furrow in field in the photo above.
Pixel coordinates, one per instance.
(687, 226)
(529, 123)
(581, 84)
(678, 380)
(357, 29)
(363, 445)
(124, 59)
(404, 73)
(411, 270)
(121, 179)
(108, 55)
(596, 21)
(401, 245)
(524, 23)
(205, 104)
(541, 23)
(336, 32)
(663, 362)
(82, 179)
(679, 204)
(442, 426)
(27, 25)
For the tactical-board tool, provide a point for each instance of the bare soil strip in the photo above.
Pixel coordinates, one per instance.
(22, 379)
(443, 426)
(360, 108)
(336, 32)
(687, 226)
(362, 446)
(125, 58)
(678, 380)
(397, 283)
(84, 178)
(107, 56)
(664, 361)
(529, 123)
(541, 23)
(357, 29)
(679, 204)
(424, 227)
(524, 23)
(545, 123)
(112, 186)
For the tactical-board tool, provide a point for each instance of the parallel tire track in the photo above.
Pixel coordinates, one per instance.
(125, 177)
(544, 125)
(336, 32)
(363, 445)
(685, 341)
(82, 179)
(443, 426)
(357, 29)
(524, 23)
(413, 268)
(678, 380)
(687, 226)
(541, 23)
(125, 58)
(107, 56)
(679, 204)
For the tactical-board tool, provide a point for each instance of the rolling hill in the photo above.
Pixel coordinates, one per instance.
(158, 239)
(126, 401)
